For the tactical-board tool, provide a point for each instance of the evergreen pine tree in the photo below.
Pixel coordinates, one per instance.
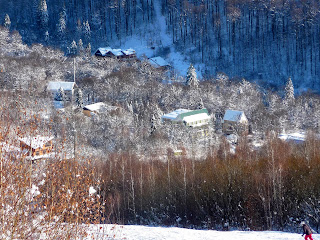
(43, 14)
(80, 47)
(200, 105)
(130, 107)
(73, 48)
(7, 21)
(88, 50)
(46, 37)
(87, 31)
(62, 25)
(60, 95)
(157, 115)
(289, 91)
(79, 97)
(192, 80)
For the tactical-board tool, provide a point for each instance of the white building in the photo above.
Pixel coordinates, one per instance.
(190, 118)
(67, 87)
(235, 122)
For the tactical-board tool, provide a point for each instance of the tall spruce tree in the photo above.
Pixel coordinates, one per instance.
(289, 92)
(73, 49)
(192, 80)
(43, 15)
(62, 25)
(80, 47)
(79, 98)
(200, 104)
(60, 95)
(88, 50)
(7, 21)
(86, 31)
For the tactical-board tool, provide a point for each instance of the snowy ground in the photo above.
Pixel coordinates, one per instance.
(131, 232)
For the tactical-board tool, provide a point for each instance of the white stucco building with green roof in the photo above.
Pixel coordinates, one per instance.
(190, 118)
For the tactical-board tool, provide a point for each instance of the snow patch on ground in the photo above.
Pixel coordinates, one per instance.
(132, 232)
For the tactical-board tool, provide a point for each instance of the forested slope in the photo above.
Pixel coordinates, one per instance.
(267, 41)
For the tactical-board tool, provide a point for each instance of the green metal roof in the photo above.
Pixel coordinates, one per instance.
(182, 115)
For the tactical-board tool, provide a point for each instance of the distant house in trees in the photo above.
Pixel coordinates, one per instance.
(235, 122)
(97, 108)
(115, 53)
(36, 147)
(160, 63)
(296, 137)
(129, 53)
(190, 118)
(101, 52)
(68, 88)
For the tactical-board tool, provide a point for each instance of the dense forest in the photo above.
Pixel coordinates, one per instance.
(263, 41)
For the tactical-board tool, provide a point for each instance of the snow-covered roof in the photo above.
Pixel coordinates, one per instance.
(129, 51)
(116, 52)
(36, 142)
(47, 155)
(174, 115)
(66, 86)
(196, 117)
(103, 50)
(235, 116)
(95, 106)
(158, 62)
(295, 137)
(186, 115)
(99, 107)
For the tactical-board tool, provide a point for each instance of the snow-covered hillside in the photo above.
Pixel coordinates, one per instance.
(262, 41)
(131, 232)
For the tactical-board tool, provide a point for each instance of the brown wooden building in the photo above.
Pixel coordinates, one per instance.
(36, 146)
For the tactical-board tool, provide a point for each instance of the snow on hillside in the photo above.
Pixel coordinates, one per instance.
(160, 45)
(131, 232)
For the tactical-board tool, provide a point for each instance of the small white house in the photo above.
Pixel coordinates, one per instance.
(67, 87)
(235, 122)
(190, 118)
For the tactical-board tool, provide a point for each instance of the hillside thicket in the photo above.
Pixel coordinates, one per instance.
(274, 188)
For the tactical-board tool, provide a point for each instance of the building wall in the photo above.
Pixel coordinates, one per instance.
(45, 149)
(68, 94)
(198, 123)
(230, 127)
